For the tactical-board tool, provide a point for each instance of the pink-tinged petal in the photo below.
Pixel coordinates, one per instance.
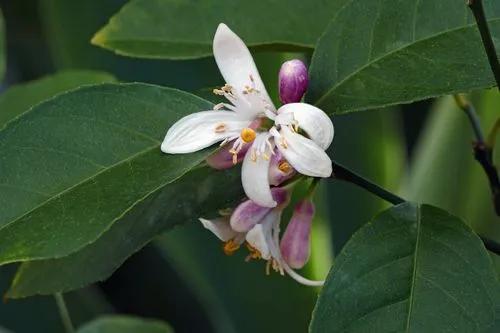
(220, 227)
(200, 130)
(303, 154)
(223, 159)
(293, 81)
(279, 169)
(310, 119)
(248, 213)
(296, 241)
(236, 63)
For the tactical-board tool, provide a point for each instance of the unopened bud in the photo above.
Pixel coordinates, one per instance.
(248, 213)
(293, 81)
(296, 241)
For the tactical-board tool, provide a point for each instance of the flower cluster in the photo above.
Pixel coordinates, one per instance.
(273, 144)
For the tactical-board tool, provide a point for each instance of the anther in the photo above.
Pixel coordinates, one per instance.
(219, 106)
(230, 247)
(284, 167)
(220, 128)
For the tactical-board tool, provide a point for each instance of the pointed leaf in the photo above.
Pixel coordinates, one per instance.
(172, 29)
(413, 269)
(75, 164)
(382, 52)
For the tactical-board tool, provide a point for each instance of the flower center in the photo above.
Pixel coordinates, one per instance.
(247, 135)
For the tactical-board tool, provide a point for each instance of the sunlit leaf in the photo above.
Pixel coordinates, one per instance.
(415, 268)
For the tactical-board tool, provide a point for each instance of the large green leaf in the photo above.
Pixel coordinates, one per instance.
(2, 47)
(182, 201)
(125, 324)
(383, 52)
(21, 98)
(414, 269)
(75, 164)
(172, 29)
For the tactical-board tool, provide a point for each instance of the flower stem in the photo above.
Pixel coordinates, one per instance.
(342, 173)
(476, 6)
(63, 311)
(483, 151)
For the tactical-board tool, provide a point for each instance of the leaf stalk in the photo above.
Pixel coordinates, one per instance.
(63, 311)
(342, 173)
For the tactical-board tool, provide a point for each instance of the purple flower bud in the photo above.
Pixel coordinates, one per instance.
(223, 159)
(296, 241)
(248, 213)
(279, 169)
(293, 81)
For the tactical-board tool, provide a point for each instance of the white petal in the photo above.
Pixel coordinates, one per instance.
(220, 228)
(303, 154)
(255, 174)
(198, 131)
(261, 235)
(236, 63)
(312, 120)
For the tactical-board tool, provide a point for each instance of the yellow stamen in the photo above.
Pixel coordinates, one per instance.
(247, 135)
(230, 247)
(284, 167)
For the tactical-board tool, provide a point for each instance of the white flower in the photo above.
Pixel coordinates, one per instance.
(248, 102)
(259, 227)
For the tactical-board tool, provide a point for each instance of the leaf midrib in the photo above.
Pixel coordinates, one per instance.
(375, 60)
(411, 298)
(83, 181)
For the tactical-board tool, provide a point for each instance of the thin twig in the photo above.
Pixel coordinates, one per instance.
(483, 152)
(343, 173)
(63, 311)
(476, 6)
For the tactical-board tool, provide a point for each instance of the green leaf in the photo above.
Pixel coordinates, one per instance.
(22, 97)
(382, 52)
(75, 164)
(415, 268)
(170, 29)
(2, 47)
(125, 324)
(182, 201)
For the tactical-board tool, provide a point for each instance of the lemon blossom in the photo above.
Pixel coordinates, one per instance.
(248, 101)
